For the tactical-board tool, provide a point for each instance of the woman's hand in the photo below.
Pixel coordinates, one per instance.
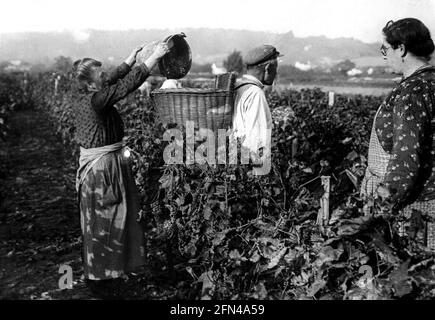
(131, 59)
(160, 50)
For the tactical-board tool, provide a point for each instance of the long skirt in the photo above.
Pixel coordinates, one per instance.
(113, 240)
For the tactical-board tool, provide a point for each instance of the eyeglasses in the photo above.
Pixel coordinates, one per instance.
(384, 49)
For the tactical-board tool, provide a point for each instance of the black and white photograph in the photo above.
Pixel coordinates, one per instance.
(210, 152)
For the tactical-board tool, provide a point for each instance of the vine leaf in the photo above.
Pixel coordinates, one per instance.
(400, 280)
(276, 258)
(208, 285)
(316, 287)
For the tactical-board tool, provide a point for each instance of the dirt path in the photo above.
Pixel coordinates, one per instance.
(39, 220)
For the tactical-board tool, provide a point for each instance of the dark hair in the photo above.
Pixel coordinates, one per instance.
(82, 68)
(413, 34)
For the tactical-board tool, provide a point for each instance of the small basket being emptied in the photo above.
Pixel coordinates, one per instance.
(207, 108)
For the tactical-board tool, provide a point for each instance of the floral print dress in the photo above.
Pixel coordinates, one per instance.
(404, 129)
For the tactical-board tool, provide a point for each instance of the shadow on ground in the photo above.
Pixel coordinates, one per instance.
(39, 220)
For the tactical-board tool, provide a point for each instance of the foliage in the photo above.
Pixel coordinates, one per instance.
(12, 96)
(234, 62)
(63, 64)
(344, 66)
(235, 235)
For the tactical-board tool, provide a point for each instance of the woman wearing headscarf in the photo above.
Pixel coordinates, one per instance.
(108, 198)
(401, 159)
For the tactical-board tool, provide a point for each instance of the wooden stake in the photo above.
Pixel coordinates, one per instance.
(56, 84)
(294, 148)
(331, 99)
(323, 216)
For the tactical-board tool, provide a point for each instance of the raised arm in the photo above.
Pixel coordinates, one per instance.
(109, 95)
(117, 73)
(124, 68)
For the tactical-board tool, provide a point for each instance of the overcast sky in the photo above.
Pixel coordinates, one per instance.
(361, 19)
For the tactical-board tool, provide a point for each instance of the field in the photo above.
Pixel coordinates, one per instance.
(347, 86)
(341, 89)
(217, 232)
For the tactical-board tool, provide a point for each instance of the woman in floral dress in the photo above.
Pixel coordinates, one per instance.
(401, 160)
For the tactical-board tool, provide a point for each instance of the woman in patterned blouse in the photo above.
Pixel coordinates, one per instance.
(401, 160)
(107, 194)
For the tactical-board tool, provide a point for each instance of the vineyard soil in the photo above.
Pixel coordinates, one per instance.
(39, 221)
(213, 232)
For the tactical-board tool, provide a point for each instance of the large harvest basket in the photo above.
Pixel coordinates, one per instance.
(206, 108)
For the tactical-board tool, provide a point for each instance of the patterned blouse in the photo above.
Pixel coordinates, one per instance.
(405, 128)
(97, 122)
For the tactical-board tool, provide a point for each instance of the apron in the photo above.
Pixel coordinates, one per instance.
(378, 160)
(376, 171)
(89, 157)
(113, 240)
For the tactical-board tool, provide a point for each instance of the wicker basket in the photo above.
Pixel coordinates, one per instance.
(207, 108)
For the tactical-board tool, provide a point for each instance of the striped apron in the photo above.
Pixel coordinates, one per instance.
(377, 164)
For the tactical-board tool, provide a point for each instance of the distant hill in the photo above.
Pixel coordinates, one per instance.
(322, 50)
(208, 45)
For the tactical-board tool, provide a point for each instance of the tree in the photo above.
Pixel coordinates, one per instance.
(3, 65)
(234, 62)
(344, 66)
(63, 64)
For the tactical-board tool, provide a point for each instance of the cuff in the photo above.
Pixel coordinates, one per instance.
(125, 67)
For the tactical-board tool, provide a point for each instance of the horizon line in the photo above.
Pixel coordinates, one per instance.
(70, 30)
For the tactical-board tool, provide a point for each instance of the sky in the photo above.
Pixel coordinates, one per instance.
(360, 19)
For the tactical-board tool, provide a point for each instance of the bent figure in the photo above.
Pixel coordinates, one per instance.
(401, 159)
(108, 197)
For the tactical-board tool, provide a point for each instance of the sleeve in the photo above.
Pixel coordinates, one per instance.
(117, 73)
(109, 95)
(257, 124)
(411, 124)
